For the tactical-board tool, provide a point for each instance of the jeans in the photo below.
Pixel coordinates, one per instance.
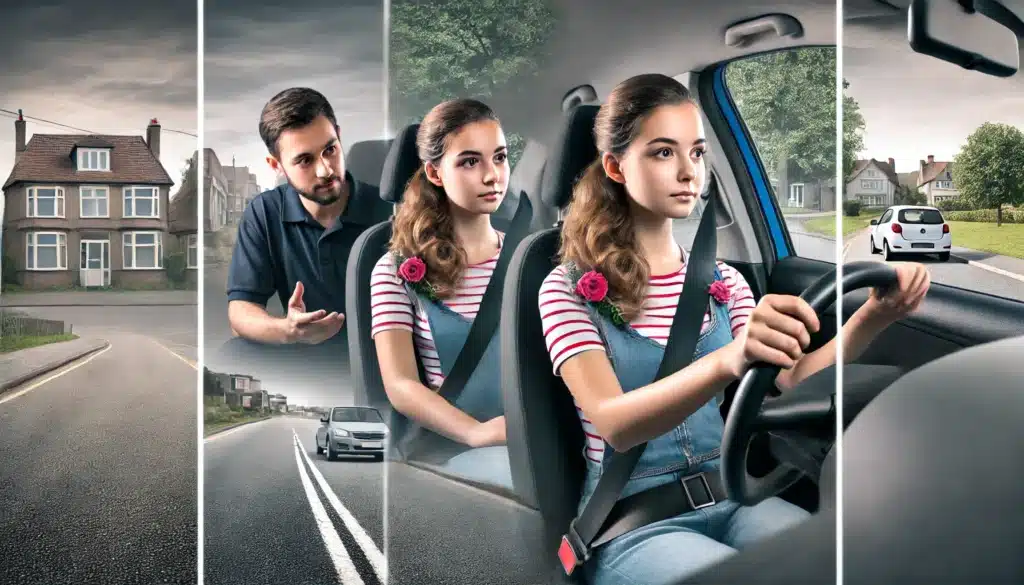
(665, 552)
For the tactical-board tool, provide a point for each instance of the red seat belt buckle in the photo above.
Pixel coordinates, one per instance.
(567, 556)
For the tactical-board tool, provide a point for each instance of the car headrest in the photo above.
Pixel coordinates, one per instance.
(365, 159)
(400, 165)
(573, 151)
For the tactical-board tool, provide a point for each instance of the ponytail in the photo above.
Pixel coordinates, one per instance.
(598, 234)
(423, 227)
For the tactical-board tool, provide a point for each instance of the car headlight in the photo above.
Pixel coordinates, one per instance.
(340, 433)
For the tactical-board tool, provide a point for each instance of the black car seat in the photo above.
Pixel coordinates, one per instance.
(399, 166)
(544, 436)
(365, 160)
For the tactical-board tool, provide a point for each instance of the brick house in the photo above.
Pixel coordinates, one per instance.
(86, 210)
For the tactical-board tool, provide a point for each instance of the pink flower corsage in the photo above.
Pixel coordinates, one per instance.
(414, 271)
(720, 292)
(592, 286)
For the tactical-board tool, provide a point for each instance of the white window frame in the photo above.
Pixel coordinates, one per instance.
(159, 249)
(81, 200)
(792, 190)
(32, 202)
(32, 251)
(130, 189)
(943, 184)
(192, 246)
(102, 155)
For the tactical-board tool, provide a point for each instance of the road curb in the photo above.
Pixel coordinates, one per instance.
(990, 268)
(51, 366)
(226, 429)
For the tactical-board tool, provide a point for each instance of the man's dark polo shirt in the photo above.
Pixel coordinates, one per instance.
(279, 244)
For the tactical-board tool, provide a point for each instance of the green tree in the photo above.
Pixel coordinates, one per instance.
(444, 49)
(788, 101)
(989, 169)
(909, 196)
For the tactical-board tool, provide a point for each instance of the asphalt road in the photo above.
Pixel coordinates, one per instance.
(173, 326)
(955, 272)
(275, 512)
(98, 466)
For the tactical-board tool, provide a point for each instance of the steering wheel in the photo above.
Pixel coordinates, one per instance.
(751, 414)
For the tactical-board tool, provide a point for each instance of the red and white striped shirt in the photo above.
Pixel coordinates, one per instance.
(569, 330)
(391, 308)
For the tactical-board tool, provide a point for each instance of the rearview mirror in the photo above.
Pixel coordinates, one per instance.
(323, 418)
(874, 222)
(982, 39)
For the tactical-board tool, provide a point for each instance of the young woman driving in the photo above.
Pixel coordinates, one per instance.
(606, 312)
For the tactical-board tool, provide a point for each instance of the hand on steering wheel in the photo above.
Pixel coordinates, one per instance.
(747, 416)
(777, 333)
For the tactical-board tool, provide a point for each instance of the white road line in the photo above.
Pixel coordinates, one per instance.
(373, 554)
(347, 571)
(35, 385)
(993, 269)
(176, 354)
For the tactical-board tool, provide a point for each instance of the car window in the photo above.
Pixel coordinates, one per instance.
(923, 216)
(940, 136)
(365, 415)
(787, 99)
(886, 216)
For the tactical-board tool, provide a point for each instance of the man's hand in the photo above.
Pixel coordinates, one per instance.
(311, 328)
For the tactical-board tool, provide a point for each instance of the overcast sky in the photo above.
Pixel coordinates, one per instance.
(255, 49)
(106, 66)
(914, 105)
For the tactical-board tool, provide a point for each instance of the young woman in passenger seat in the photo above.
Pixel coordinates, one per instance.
(427, 289)
(606, 313)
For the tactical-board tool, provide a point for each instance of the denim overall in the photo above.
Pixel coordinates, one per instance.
(480, 397)
(666, 551)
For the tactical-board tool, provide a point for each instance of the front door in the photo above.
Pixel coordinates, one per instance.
(95, 263)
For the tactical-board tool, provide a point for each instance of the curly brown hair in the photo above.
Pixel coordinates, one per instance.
(423, 224)
(598, 232)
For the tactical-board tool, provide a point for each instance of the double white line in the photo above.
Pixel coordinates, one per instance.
(347, 571)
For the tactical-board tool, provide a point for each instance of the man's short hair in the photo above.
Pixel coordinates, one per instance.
(292, 108)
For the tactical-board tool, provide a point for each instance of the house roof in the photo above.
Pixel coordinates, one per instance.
(47, 159)
(931, 170)
(888, 170)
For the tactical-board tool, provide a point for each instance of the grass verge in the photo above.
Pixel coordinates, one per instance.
(19, 342)
(1007, 239)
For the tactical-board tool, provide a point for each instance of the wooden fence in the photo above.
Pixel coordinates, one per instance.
(18, 325)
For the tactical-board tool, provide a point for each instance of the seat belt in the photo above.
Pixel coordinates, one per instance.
(419, 440)
(682, 343)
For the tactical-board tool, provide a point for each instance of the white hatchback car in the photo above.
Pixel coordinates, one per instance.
(911, 229)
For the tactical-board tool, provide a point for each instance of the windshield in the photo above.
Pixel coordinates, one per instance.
(363, 415)
(922, 216)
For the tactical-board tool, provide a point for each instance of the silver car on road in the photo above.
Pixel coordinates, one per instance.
(352, 430)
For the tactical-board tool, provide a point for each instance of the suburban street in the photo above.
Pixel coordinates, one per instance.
(276, 512)
(955, 272)
(99, 459)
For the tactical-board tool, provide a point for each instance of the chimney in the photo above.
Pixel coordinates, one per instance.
(19, 136)
(931, 159)
(153, 137)
(892, 163)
